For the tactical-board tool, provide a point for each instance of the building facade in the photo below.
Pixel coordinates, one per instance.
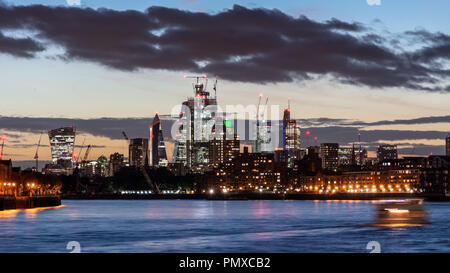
(196, 121)
(291, 138)
(158, 155)
(62, 141)
(138, 154)
(222, 147)
(387, 152)
(329, 153)
(246, 172)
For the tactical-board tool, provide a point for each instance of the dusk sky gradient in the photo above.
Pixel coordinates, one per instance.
(355, 65)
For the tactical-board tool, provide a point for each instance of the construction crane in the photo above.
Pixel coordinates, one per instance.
(88, 149)
(36, 155)
(215, 87)
(257, 141)
(198, 82)
(3, 146)
(151, 183)
(81, 151)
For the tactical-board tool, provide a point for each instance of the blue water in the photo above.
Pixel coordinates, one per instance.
(216, 226)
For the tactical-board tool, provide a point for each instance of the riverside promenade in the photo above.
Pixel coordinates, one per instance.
(27, 202)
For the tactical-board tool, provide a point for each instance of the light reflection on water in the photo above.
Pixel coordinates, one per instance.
(215, 226)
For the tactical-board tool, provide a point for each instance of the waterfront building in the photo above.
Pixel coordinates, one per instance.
(376, 181)
(158, 156)
(387, 152)
(435, 176)
(138, 152)
(246, 172)
(329, 153)
(5, 169)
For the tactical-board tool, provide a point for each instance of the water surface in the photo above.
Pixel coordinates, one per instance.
(216, 226)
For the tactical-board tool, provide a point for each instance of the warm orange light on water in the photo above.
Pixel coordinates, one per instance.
(29, 212)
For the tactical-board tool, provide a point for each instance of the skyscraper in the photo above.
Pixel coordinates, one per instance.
(447, 146)
(329, 152)
(192, 145)
(158, 156)
(138, 152)
(62, 142)
(387, 152)
(291, 138)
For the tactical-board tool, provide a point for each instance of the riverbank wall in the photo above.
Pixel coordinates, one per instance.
(26, 202)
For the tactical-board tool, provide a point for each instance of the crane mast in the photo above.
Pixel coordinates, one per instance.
(3, 146)
(36, 155)
(88, 149)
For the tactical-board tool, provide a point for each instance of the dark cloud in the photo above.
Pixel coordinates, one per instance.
(19, 47)
(240, 44)
(347, 122)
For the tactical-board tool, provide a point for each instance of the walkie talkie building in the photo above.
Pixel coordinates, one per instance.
(62, 142)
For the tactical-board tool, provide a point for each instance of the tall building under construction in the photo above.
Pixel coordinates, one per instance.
(196, 118)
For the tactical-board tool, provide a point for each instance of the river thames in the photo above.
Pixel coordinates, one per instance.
(216, 226)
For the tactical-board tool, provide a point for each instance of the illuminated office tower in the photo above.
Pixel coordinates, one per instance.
(62, 142)
(224, 145)
(291, 138)
(158, 156)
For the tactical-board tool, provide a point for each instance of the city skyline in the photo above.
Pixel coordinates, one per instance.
(395, 108)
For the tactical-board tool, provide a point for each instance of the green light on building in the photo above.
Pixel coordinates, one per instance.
(227, 123)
